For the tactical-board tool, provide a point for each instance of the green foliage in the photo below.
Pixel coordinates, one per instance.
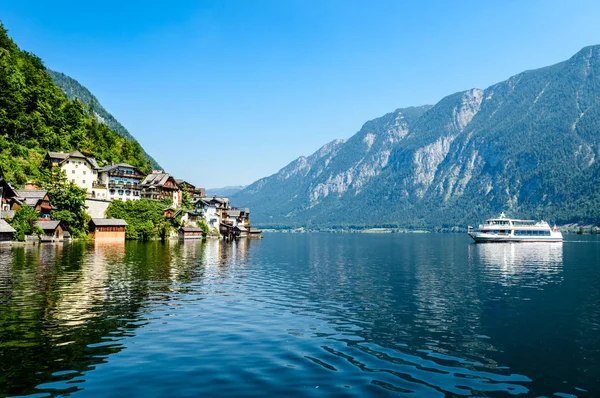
(68, 202)
(186, 200)
(145, 218)
(204, 226)
(36, 117)
(24, 223)
(75, 91)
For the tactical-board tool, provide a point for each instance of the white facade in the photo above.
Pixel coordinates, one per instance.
(210, 214)
(79, 171)
(121, 182)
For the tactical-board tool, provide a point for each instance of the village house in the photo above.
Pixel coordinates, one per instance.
(208, 212)
(53, 230)
(79, 169)
(6, 231)
(194, 192)
(37, 199)
(159, 186)
(120, 181)
(7, 193)
(190, 233)
(107, 229)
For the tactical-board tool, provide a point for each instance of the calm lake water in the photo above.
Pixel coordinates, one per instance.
(302, 315)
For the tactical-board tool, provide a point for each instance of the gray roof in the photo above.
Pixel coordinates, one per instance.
(8, 214)
(32, 193)
(5, 227)
(108, 222)
(240, 227)
(63, 156)
(191, 229)
(233, 213)
(47, 225)
(114, 166)
(156, 179)
(31, 197)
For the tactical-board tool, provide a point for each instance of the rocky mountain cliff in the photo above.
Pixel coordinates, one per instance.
(73, 89)
(528, 146)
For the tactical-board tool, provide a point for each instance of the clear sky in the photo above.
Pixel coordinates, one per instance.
(226, 92)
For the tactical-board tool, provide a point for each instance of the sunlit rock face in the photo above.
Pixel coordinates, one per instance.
(527, 146)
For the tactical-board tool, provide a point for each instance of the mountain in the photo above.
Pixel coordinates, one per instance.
(225, 191)
(528, 146)
(37, 117)
(74, 90)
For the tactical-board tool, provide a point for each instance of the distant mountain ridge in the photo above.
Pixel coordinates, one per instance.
(224, 191)
(528, 146)
(73, 89)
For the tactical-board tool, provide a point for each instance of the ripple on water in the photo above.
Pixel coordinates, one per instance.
(196, 319)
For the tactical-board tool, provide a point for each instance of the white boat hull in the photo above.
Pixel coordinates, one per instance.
(486, 237)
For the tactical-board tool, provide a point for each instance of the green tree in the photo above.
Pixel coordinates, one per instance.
(68, 202)
(24, 223)
(186, 200)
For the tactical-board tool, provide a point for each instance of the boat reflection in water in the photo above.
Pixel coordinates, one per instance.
(514, 263)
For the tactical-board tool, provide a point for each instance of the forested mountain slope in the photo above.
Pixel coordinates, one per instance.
(75, 90)
(36, 117)
(528, 146)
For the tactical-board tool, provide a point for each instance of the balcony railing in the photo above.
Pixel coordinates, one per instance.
(124, 186)
(121, 174)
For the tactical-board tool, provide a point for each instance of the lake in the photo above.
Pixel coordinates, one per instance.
(302, 315)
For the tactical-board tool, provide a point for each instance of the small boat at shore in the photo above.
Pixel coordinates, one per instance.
(504, 229)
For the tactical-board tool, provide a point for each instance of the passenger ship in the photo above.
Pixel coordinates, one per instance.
(503, 229)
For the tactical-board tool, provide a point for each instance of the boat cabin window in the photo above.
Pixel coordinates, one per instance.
(497, 222)
(531, 233)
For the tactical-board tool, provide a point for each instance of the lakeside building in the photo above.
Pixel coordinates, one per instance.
(159, 186)
(190, 233)
(6, 231)
(107, 229)
(119, 181)
(208, 212)
(79, 169)
(53, 231)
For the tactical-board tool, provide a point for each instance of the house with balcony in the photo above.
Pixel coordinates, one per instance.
(79, 169)
(207, 211)
(194, 192)
(120, 181)
(159, 186)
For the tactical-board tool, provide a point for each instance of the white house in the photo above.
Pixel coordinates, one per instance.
(121, 181)
(209, 212)
(79, 169)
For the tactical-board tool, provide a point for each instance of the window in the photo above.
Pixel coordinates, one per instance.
(83, 172)
(72, 171)
(83, 182)
(73, 181)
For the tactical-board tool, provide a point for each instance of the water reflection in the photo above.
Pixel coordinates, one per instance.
(338, 315)
(535, 263)
(65, 307)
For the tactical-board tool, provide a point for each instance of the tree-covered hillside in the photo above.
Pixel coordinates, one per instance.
(74, 90)
(528, 146)
(36, 117)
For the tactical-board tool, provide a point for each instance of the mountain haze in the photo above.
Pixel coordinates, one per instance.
(75, 90)
(528, 146)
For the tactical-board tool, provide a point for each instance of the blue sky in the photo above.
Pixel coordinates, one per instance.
(226, 92)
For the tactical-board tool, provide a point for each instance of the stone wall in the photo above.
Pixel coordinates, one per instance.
(96, 208)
